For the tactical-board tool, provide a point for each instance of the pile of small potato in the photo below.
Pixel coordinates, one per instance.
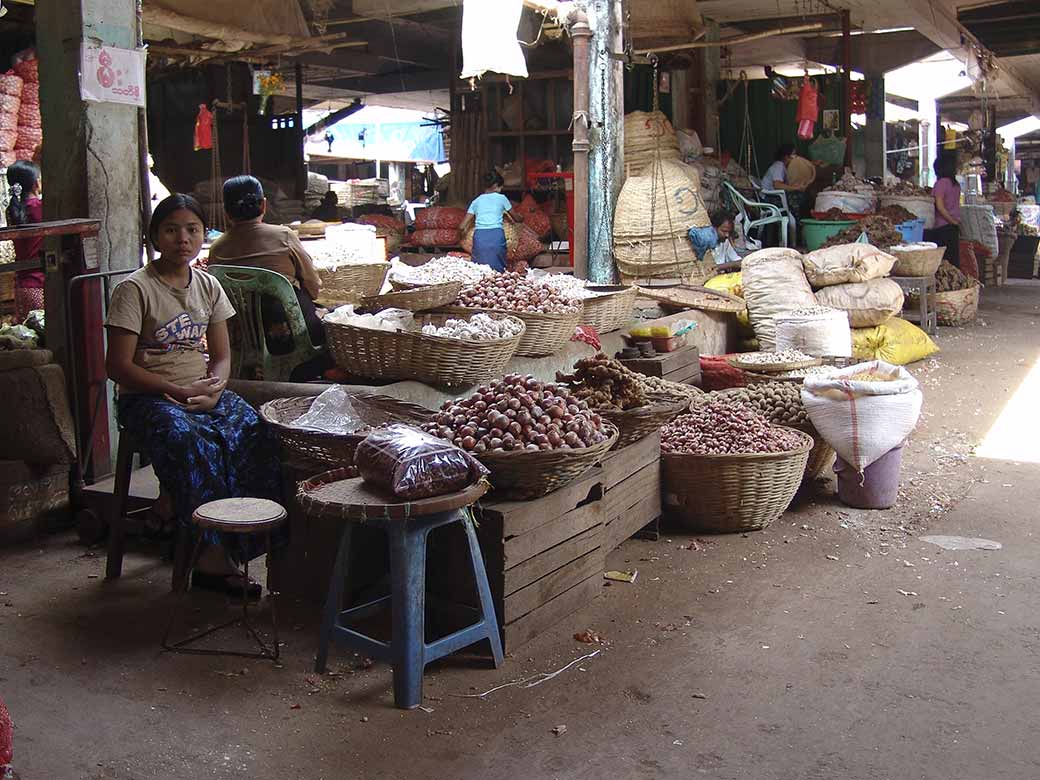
(513, 292)
(518, 413)
(603, 382)
(723, 426)
(778, 402)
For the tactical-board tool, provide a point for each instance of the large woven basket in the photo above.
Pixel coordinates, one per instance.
(957, 307)
(917, 262)
(351, 282)
(638, 423)
(821, 456)
(521, 476)
(419, 298)
(610, 309)
(544, 334)
(436, 360)
(732, 493)
(333, 448)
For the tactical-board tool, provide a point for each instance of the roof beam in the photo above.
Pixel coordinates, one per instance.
(413, 81)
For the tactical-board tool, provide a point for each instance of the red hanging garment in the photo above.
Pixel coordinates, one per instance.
(203, 129)
(808, 109)
(6, 737)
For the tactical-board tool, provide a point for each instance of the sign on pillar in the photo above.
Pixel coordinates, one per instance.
(112, 75)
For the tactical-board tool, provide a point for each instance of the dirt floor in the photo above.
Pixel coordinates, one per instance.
(836, 644)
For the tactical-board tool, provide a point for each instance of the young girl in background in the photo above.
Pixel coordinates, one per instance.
(26, 207)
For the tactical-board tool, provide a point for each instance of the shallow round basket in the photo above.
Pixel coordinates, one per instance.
(420, 298)
(544, 335)
(759, 368)
(337, 449)
(435, 360)
(732, 493)
(917, 262)
(351, 282)
(681, 297)
(754, 378)
(610, 309)
(957, 307)
(638, 423)
(521, 476)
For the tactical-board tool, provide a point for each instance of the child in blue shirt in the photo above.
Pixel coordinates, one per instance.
(486, 211)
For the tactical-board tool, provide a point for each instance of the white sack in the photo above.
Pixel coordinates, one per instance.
(774, 283)
(868, 304)
(489, 38)
(863, 420)
(826, 334)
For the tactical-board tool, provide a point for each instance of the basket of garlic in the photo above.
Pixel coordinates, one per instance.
(438, 349)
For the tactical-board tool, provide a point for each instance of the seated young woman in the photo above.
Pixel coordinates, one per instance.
(204, 441)
(253, 243)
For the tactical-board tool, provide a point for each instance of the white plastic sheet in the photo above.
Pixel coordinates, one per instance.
(489, 38)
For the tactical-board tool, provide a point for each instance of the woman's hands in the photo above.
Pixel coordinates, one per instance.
(200, 396)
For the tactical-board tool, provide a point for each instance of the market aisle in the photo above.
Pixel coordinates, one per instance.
(835, 644)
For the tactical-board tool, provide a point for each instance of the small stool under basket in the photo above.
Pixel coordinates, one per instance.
(925, 288)
(243, 517)
(341, 496)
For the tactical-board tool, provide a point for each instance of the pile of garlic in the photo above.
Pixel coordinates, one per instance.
(440, 270)
(565, 284)
(479, 327)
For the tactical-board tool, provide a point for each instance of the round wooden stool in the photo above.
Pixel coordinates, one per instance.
(243, 517)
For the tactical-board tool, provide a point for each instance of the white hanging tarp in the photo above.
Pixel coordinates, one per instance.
(489, 39)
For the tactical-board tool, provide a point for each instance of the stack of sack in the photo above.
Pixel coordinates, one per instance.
(388, 228)
(851, 278)
(11, 85)
(317, 186)
(534, 216)
(438, 226)
(30, 125)
(522, 244)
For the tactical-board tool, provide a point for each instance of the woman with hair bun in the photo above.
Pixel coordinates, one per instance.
(486, 211)
(253, 243)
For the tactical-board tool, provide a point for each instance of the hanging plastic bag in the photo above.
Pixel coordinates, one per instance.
(489, 38)
(808, 109)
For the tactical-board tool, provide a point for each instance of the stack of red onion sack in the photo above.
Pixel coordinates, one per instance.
(522, 243)
(30, 126)
(534, 217)
(438, 226)
(10, 104)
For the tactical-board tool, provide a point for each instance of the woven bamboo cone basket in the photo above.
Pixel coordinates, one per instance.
(732, 493)
(436, 360)
(522, 476)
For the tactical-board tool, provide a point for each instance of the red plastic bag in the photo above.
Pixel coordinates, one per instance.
(587, 335)
(718, 374)
(808, 109)
(412, 464)
(203, 129)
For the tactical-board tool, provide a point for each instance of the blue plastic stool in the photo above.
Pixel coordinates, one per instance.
(407, 651)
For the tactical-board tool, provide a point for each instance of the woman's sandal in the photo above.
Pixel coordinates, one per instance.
(231, 584)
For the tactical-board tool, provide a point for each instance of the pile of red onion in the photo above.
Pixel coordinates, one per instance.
(513, 292)
(725, 427)
(519, 413)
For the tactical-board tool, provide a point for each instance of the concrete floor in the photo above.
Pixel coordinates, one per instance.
(836, 644)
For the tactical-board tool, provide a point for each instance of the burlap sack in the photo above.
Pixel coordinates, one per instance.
(867, 303)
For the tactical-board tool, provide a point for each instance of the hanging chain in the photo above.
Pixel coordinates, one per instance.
(657, 92)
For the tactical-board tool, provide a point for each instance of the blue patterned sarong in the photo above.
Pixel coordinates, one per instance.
(204, 456)
(489, 247)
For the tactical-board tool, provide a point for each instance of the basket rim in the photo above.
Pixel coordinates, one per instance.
(807, 444)
(662, 403)
(520, 455)
(366, 264)
(534, 315)
(442, 339)
(769, 368)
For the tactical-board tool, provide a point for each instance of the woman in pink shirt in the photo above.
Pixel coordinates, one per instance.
(947, 194)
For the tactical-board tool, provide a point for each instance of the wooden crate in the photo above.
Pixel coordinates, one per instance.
(632, 489)
(544, 557)
(683, 365)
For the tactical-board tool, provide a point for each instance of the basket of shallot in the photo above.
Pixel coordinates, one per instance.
(606, 307)
(534, 437)
(439, 349)
(726, 469)
(550, 318)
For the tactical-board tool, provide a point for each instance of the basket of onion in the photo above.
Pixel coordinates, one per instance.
(726, 469)
(549, 317)
(534, 437)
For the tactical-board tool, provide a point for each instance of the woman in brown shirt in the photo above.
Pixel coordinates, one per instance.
(253, 243)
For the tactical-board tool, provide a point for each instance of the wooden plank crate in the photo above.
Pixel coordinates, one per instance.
(544, 557)
(683, 365)
(632, 489)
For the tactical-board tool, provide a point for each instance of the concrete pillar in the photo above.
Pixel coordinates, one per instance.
(606, 134)
(874, 146)
(90, 151)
